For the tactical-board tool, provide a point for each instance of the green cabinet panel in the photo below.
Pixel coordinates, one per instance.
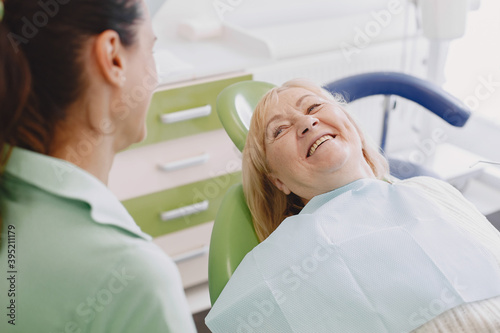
(147, 209)
(184, 98)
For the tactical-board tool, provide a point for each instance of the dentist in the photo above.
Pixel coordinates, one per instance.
(76, 78)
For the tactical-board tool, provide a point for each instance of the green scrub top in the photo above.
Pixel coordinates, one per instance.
(73, 260)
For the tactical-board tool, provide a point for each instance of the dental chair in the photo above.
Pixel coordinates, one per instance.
(233, 234)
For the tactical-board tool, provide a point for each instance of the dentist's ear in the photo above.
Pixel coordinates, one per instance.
(279, 184)
(109, 57)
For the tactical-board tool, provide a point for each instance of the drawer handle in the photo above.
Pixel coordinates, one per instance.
(186, 163)
(174, 117)
(185, 211)
(191, 255)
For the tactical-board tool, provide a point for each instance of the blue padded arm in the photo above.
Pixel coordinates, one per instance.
(425, 93)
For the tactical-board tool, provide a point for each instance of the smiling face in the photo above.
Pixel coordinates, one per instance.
(312, 146)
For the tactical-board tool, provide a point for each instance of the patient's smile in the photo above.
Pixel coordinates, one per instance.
(294, 128)
(318, 142)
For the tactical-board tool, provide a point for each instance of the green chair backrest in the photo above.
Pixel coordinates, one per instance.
(235, 105)
(233, 234)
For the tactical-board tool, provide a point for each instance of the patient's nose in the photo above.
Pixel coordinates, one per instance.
(306, 123)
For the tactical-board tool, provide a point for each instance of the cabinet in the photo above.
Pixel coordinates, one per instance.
(172, 183)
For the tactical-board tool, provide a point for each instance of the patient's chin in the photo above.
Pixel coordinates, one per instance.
(332, 156)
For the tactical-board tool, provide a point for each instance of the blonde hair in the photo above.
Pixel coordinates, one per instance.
(268, 205)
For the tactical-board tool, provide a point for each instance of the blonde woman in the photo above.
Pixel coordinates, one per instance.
(268, 197)
(343, 249)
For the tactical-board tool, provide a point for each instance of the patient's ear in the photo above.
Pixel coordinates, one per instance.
(279, 184)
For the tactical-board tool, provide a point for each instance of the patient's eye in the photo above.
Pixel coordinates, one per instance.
(278, 131)
(312, 108)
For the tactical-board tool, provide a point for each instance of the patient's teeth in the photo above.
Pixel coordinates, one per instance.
(318, 142)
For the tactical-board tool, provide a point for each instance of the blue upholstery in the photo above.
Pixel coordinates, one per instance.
(425, 93)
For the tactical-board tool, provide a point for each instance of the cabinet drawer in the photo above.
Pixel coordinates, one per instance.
(173, 163)
(184, 111)
(181, 207)
(189, 250)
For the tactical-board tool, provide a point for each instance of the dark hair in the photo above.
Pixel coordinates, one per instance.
(41, 73)
(40, 68)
